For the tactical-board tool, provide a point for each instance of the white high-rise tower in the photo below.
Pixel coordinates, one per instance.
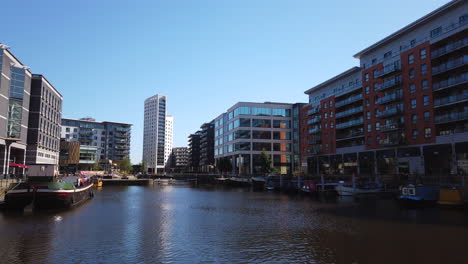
(169, 138)
(154, 133)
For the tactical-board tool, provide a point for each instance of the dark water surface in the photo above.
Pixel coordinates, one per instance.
(176, 224)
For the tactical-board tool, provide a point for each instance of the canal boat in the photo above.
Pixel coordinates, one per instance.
(97, 182)
(419, 194)
(238, 182)
(258, 183)
(452, 196)
(309, 187)
(354, 190)
(49, 192)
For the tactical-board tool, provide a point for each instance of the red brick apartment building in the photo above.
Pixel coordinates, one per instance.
(403, 111)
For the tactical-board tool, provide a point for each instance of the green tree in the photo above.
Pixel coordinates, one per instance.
(265, 162)
(96, 166)
(224, 165)
(144, 169)
(125, 165)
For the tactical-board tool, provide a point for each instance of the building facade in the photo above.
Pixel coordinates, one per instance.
(194, 151)
(154, 133)
(247, 129)
(180, 159)
(207, 161)
(15, 90)
(75, 157)
(169, 139)
(403, 111)
(45, 115)
(111, 139)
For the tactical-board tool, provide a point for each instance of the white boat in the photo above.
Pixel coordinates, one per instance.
(349, 190)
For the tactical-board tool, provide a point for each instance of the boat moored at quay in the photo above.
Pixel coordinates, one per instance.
(49, 192)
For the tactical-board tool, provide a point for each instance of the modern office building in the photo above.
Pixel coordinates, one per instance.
(403, 111)
(180, 159)
(15, 87)
(76, 157)
(45, 115)
(207, 161)
(111, 139)
(247, 129)
(169, 139)
(154, 133)
(194, 150)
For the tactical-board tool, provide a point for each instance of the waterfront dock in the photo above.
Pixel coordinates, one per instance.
(107, 182)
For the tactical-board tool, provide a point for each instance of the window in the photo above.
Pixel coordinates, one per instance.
(411, 58)
(325, 105)
(375, 73)
(282, 112)
(331, 124)
(412, 88)
(331, 114)
(261, 134)
(377, 126)
(67, 136)
(412, 42)
(260, 111)
(427, 116)
(67, 129)
(368, 115)
(374, 61)
(414, 119)
(326, 125)
(411, 73)
(424, 84)
(425, 100)
(413, 103)
(331, 103)
(281, 124)
(423, 69)
(414, 133)
(463, 19)
(387, 54)
(75, 130)
(427, 132)
(325, 115)
(366, 77)
(436, 32)
(367, 103)
(265, 123)
(369, 141)
(422, 53)
(367, 89)
(369, 127)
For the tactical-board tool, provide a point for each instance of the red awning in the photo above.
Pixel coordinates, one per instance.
(18, 165)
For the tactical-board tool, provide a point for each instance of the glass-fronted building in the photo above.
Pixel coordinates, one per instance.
(246, 129)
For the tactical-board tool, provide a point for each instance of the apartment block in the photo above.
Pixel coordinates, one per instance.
(154, 133)
(403, 111)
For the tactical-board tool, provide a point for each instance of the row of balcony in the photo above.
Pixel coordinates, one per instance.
(314, 130)
(453, 46)
(449, 65)
(313, 111)
(393, 139)
(315, 139)
(451, 117)
(350, 134)
(314, 120)
(398, 95)
(451, 81)
(349, 112)
(349, 100)
(350, 123)
(451, 99)
(391, 127)
(388, 69)
(388, 83)
(390, 111)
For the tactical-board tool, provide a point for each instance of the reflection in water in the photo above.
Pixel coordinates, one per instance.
(167, 224)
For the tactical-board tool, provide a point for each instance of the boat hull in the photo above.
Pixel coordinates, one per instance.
(350, 191)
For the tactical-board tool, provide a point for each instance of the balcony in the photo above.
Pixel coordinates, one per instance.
(316, 149)
(317, 139)
(390, 112)
(349, 112)
(349, 100)
(451, 47)
(450, 82)
(450, 65)
(388, 69)
(313, 111)
(389, 83)
(392, 140)
(451, 99)
(390, 98)
(122, 129)
(313, 120)
(451, 117)
(391, 127)
(314, 130)
(351, 123)
(350, 135)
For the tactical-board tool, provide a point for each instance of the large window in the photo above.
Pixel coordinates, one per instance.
(17, 83)
(261, 111)
(282, 112)
(242, 134)
(281, 124)
(261, 134)
(15, 110)
(241, 122)
(243, 110)
(265, 123)
(281, 135)
(260, 146)
(281, 147)
(242, 146)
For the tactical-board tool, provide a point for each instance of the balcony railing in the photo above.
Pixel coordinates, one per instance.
(390, 98)
(314, 130)
(314, 120)
(350, 123)
(349, 112)
(391, 127)
(390, 112)
(315, 139)
(451, 117)
(451, 99)
(449, 48)
(351, 134)
(388, 69)
(387, 84)
(451, 81)
(316, 149)
(452, 64)
(313, 111)
(349, 100)
(393, 139)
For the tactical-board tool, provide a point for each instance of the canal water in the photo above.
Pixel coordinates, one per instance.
(180, 224)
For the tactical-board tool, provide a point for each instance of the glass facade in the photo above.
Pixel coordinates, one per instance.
(15, 107)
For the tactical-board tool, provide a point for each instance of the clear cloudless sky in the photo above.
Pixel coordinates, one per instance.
(107, 56)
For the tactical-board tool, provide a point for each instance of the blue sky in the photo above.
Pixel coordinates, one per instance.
(107, 56)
